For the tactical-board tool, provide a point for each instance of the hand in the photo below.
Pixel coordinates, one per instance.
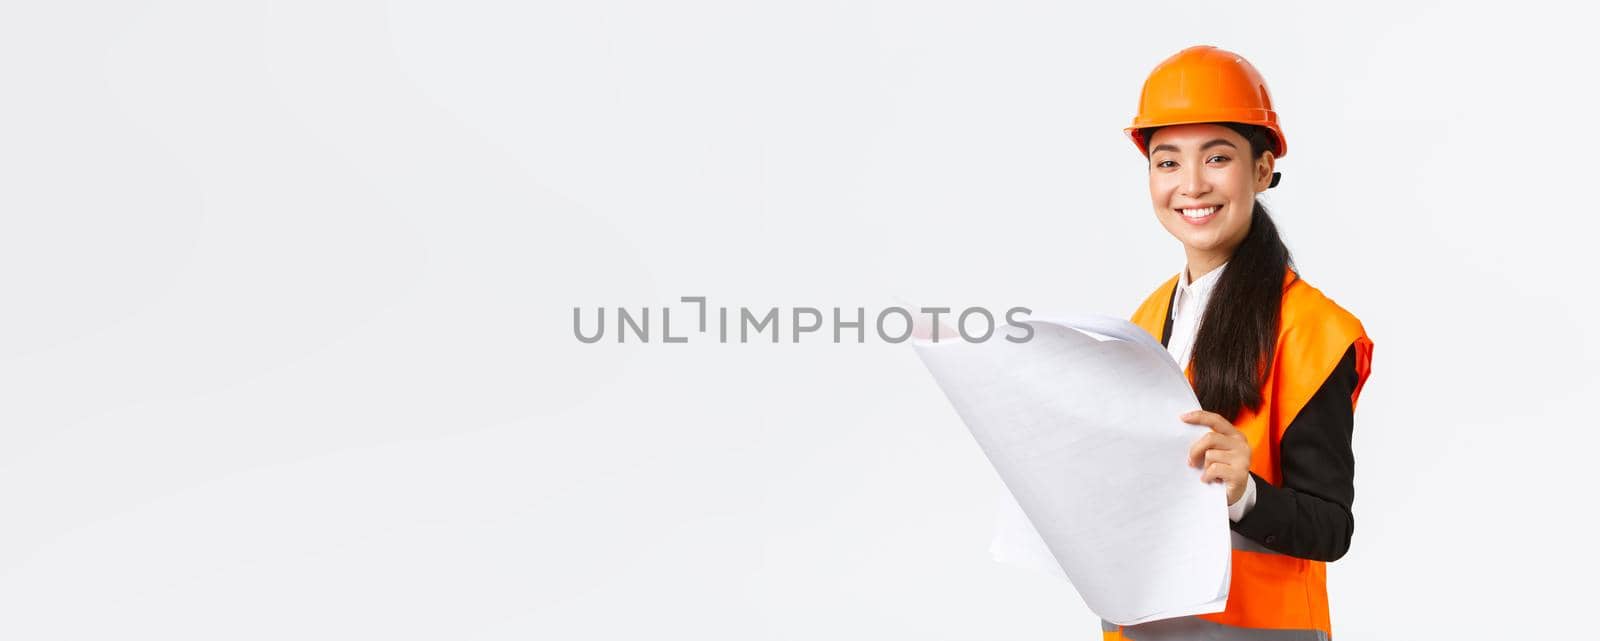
(1223, 452)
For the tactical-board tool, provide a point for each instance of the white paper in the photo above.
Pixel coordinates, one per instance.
(1017, 543)
(1081, 423)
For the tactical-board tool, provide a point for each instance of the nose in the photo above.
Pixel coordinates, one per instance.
(1194, 183)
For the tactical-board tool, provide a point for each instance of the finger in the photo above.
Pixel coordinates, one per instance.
(1215, 472)
(1229, 444)
(1212, 420)
(1204, 418)
(1230, 457)
(1225, 427)
(1221, 472)
(1215, 442)
(1201, 445)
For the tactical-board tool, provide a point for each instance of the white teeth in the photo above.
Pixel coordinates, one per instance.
(1198, 213)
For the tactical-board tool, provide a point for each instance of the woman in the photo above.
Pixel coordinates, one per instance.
(1277, 366)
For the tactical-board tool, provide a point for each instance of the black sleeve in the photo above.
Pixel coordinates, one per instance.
(1309, 515)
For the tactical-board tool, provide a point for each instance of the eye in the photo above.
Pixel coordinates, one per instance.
(1163, 164)
(1217, 158)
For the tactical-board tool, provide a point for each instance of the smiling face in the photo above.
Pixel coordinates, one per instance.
(1203, 186)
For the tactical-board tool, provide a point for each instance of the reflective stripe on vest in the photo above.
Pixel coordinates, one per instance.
(1198, 629)
(1194, 628)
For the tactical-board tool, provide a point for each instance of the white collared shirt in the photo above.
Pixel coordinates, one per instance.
(1188, 308)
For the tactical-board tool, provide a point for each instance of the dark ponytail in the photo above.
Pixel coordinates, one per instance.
(1238, 334)
(1234, 349)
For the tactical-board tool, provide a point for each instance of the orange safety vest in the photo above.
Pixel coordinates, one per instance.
(1271, 596)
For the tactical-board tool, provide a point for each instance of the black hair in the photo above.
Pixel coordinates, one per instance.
(1238, 333)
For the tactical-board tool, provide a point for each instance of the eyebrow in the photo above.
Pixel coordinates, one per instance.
(1208, 145)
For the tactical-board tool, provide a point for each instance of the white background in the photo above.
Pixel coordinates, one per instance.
(286, 345)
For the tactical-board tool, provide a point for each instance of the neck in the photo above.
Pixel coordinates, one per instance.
(1202, 263)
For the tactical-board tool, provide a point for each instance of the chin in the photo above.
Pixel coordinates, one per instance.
(1207, 243)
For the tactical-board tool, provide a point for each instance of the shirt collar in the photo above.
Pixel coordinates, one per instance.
(1206, 282)
(1198, 289)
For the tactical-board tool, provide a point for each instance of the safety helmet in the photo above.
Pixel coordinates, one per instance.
(1205, 84)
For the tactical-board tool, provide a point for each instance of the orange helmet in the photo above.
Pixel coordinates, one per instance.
(1205, 84)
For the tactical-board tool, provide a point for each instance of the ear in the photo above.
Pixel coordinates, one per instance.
(1264, 167)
